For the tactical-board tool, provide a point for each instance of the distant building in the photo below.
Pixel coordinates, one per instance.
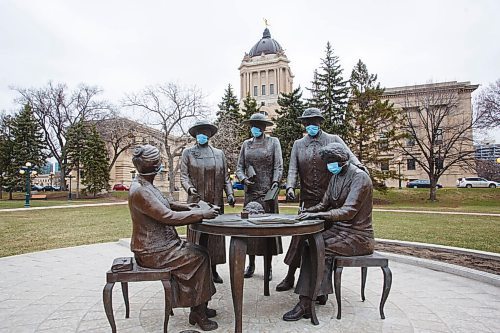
(265, 73)
(408, 167)
(487, 151)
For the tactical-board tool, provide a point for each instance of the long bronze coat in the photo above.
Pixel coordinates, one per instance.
(205, 169)
(306, 163)
(156, 244)
(348, 204)
(264, 156)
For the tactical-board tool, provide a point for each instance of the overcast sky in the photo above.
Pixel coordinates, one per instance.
(124, 45)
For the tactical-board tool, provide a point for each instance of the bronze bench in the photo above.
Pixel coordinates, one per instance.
(372, 260)
(135, 274)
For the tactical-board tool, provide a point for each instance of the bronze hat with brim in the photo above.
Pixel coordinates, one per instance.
(311, 113)
(202, 124)
(258, 118)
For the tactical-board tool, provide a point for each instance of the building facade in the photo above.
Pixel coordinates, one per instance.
(487, 151)
(413, 98)
(265, 73)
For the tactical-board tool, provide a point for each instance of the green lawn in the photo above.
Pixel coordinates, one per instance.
(28, 231)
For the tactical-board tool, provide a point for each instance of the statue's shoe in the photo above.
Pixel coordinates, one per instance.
(249, 271)
(202, 321)
(285, 285)
(297, 313)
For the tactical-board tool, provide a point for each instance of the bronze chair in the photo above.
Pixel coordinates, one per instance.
(372, 260)
(135, 274)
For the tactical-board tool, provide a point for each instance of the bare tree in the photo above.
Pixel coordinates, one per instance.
(56, 109)
(488, 169)
(488, 105)
(118, 134)
(171, 107)
(439, 131)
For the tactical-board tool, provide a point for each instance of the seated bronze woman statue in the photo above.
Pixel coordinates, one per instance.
(156, 244)
(346, 208)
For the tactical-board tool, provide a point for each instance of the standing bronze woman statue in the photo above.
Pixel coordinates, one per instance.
(260, 168)
(156, 244)
(204, 176)
(307, 165)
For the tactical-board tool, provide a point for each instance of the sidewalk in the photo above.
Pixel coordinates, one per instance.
(61, 291)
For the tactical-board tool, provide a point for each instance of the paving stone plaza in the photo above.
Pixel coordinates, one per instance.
(61, 291)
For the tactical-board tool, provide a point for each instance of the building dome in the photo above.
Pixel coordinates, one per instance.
(266, 45)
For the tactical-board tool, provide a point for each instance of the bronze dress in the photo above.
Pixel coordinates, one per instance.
(264, 156)
(205, 169)
(156, 244)
(348, 204)
(306, 163)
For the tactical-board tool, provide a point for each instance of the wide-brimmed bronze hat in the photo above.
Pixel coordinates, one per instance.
(202, 124)
(258, 118)
(311, 113)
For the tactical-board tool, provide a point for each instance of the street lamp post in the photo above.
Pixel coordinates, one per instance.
(399, 161)
(69, 194)
(51, 175)
(28, 171)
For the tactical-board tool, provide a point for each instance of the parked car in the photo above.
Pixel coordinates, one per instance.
(421, 183)
(35, 187)
(50, 188)
(238, 186)
(120, 187)
(476, 182)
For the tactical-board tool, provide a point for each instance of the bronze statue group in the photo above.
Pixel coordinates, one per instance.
(334, 187)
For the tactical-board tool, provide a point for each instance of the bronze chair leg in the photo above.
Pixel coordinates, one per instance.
(168, 302)
(108, 304)
(387, 289)
(125, 299)
(337, 277)
(364, 271)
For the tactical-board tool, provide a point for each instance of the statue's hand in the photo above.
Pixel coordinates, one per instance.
(306, 216)
(192, 191)
(248, 182)
(210, 213)
(290, 193)
(230, 200)
(193, 206)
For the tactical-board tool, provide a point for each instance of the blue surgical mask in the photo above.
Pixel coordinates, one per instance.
(334, 168)
(256, 132)
(312, 130)
(202, 139)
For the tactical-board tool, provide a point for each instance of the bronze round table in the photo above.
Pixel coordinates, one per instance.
(268, 225)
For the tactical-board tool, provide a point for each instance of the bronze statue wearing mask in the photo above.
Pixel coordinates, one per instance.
(156, 244)
(347, 206)
(307, 165)
(204, 176)
(260, 168)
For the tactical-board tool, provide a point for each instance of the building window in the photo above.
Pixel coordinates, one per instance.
(439, 136)
(384, 165)
(263, 90)
(439, 162)
(255, 90)
(271, 89)
(410, 139)
(382, 141)
(410, 164)
(262, 103)
(264, 113)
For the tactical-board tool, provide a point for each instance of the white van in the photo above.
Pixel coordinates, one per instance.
(476, 182)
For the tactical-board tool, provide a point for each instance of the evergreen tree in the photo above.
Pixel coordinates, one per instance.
(229, 104)
(249, 107)
(330, 93)
(29, 144)
(230, 133)
(9, 171)
(76, 138)
(375, 123)
(95, 163)
(288, 127)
